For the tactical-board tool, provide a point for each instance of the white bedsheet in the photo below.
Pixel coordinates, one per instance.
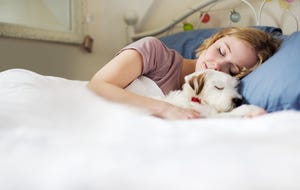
(56, 134)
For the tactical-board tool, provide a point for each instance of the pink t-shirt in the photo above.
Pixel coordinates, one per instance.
(161, 64)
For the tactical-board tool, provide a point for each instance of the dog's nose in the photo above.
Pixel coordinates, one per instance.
(237, 101)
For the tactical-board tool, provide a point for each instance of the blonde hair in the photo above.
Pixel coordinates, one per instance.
(264, 44)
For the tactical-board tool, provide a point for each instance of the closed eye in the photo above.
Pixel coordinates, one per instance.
(219, 88)
(220, 52)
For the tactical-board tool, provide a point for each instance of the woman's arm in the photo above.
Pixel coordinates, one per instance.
(109, 82)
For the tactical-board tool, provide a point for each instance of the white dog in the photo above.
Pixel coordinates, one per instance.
(213, 94)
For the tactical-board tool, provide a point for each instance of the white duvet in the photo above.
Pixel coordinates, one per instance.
(56, 134)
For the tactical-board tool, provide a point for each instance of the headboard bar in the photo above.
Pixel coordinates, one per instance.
(131, 19)
(132, 36)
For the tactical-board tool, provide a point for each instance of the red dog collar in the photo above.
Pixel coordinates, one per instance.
(195, 99)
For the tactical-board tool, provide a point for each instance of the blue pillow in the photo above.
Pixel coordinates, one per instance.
(275, 84)
(187, 42)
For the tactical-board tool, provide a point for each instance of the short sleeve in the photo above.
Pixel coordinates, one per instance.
(161, 64)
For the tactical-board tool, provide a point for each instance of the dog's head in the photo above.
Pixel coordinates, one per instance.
(213, 88)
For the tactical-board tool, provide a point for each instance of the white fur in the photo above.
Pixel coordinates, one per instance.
(217, 95)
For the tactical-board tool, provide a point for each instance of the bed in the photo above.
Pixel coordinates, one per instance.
(57, 134)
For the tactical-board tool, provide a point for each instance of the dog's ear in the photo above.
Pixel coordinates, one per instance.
(197, 83)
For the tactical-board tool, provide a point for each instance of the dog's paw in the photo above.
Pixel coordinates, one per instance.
(255, 112)
(248, 111)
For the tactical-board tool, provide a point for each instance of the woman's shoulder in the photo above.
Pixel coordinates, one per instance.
(154, 50)
(146, 46)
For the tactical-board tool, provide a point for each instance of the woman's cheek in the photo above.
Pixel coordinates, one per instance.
(200, 60)
(199, 63)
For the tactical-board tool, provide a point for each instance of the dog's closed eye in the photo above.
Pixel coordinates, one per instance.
(219, 87)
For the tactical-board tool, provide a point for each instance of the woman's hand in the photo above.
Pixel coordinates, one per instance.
(172, 112)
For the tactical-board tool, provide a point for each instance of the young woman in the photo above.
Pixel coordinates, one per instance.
(235, 50)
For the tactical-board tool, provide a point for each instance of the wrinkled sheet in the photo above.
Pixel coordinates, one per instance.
(56, 134)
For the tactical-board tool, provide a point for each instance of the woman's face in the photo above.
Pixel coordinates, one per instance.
(228, 54)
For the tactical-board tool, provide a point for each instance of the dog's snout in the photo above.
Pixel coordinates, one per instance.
(237, 101)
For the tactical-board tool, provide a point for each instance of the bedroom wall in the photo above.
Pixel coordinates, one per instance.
(109, 33)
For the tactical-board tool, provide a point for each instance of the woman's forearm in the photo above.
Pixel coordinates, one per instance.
(120, 95)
